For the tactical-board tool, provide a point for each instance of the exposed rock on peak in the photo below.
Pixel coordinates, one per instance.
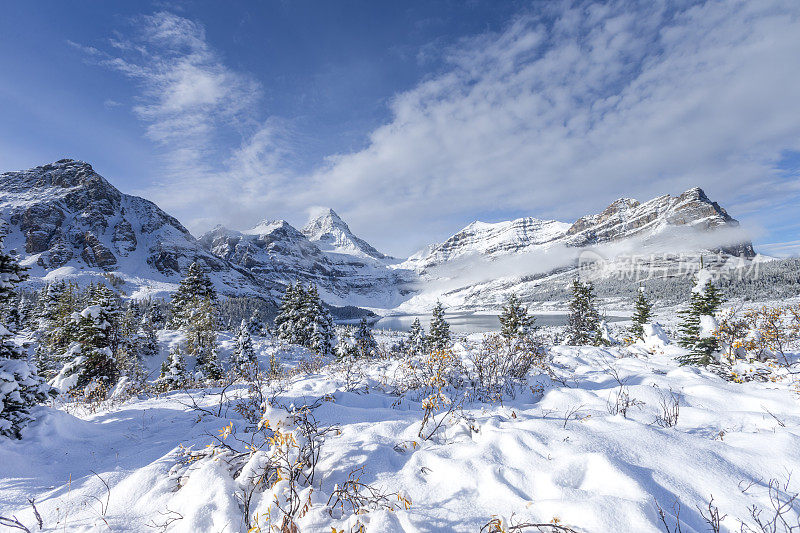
(626, 218)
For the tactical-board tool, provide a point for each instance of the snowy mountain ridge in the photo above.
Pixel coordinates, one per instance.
(65, 220)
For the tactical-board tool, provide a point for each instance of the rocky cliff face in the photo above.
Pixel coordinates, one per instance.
(64, 214)
(626, 218)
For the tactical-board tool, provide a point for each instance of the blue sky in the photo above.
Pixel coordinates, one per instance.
(412, 119)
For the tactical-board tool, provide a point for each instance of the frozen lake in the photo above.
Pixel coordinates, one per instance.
(471, 323)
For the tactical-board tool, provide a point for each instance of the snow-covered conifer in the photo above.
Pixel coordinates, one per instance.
(194, 287)
(20, 386)
(255, 324)
(698, 322)
(173, 372)
(243, 359)
(92, 366)
(365, 343)
(318, 322)
(515, 322)
(288, 321)
(583, 327)
(641, 314)
(201, 338)
(416, 338)
(439, 329)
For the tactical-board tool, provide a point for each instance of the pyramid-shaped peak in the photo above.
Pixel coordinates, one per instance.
(695, 193)
(327, 229)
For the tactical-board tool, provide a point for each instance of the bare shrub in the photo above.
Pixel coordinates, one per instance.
(784, 514)
(499, 524)
(501, 363)
(670, 410)
(711, 515)
(621, 402)
(430, 373)
(361, 498)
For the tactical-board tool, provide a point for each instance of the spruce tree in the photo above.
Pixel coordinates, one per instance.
(416, 338)
(318, 323)
(21, 387)
(515, 322)
(704, 301)
(365, 343)
(346, 346)
(288, 321)
(641, 315)
(583, 327)
(148, 336)
(439, 329)
(201, 338)
(255, 324)
(243, 359)
(173, 372)
(195, 286)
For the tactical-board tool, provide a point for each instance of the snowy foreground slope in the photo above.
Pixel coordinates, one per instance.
(553, 452)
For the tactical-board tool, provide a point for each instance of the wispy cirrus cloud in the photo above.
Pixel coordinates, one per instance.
(558, 114)
(189, 100)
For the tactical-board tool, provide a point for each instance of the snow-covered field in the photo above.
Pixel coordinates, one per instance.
(552, 453)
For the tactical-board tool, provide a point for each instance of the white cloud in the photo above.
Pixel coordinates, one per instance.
(556, 120)
(554, 117)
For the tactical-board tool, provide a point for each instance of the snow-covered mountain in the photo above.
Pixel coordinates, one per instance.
(65, 220)
(328, 231)
(489, 239)
(690, 215)
(481, 264)
(345, 268)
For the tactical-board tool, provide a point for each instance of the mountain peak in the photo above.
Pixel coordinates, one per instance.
(329, 231)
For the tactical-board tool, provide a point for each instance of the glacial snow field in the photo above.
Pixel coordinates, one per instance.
(553, 453)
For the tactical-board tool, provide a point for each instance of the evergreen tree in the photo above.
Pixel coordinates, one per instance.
(148, 337)
(515, 322)
(288, 322)
(20, 386)
(194, 287)
(318, 323)
(93, 366)
(49, 304)
(704, 302)
(156, 314)
(583, 327)
(243, 359)
(201, 338)
(173, 372)
(255, 324)
(416, 338)
(641, 315)
(439, 330)
(346, 345)
(26, 312)
(365, 343)
(304, 320)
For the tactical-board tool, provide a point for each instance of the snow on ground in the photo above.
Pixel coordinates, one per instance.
(552, 452)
